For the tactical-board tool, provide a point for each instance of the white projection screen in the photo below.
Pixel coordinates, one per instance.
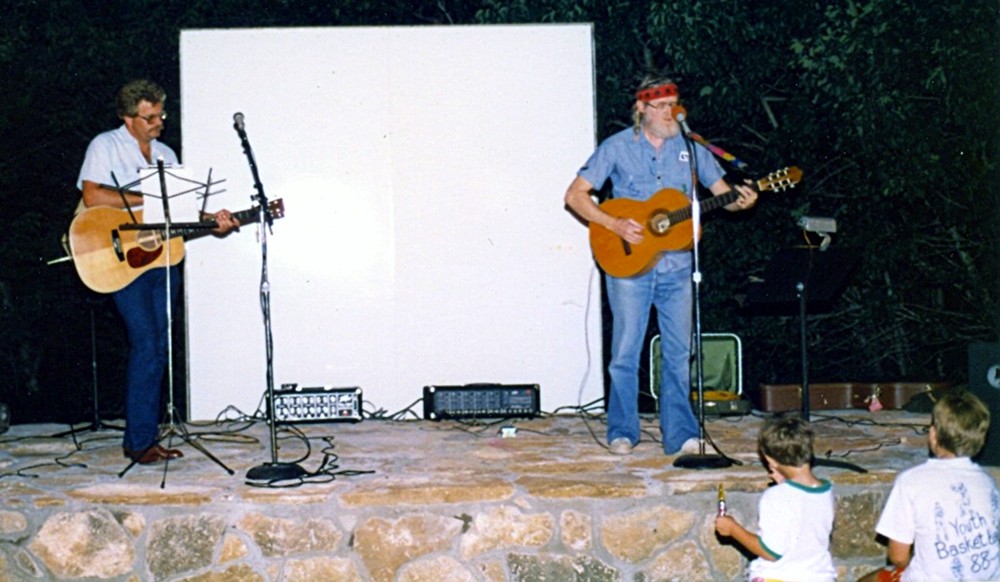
(424, 240)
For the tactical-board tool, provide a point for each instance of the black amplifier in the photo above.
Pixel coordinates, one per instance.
(481, 401)
(317, 404)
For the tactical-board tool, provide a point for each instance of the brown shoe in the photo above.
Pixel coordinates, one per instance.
(153, 454)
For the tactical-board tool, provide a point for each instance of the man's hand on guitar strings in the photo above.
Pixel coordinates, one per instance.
(628, 229)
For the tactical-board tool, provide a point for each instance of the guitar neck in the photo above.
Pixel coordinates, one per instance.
(707, 205)
(710, 204)
(193, 230)
(200, 229)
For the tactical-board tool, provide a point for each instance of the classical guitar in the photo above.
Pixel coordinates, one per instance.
(666, 221)
(110, 251)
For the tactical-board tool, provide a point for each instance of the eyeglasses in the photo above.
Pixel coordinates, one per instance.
(658, 107)
(151, 118)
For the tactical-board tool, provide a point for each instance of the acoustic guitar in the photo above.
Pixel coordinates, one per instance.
(110, 251)
(666, 222)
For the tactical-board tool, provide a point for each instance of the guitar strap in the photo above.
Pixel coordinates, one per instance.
(726, 156)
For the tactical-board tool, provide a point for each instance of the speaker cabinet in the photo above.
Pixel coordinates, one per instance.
(984, 382)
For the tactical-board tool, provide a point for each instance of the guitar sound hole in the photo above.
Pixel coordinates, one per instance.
(116, 245)
(148, 239)
(659, 223)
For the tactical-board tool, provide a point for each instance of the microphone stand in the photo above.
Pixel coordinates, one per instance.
(701, 460)
(274, 470)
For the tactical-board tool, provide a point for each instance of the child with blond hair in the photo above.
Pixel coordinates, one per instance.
(942, 517)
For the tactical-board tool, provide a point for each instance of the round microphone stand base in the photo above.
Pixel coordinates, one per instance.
(703, 462)
(275, 472)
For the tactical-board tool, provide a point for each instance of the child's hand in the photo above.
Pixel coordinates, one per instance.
(725, 525)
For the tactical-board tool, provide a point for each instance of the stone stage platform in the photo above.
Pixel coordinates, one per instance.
(419, 501)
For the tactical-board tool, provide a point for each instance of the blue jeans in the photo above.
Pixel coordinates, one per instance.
(667, 287)
(143, 306)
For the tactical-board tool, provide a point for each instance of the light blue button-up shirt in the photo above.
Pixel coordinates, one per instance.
(638, 170)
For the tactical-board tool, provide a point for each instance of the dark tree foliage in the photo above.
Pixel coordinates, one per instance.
(889, 107)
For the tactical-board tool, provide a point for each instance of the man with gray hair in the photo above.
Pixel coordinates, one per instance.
(117, 154)
(641, 161)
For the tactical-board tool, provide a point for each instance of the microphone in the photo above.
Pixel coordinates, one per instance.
(680, 116)
(238, 124)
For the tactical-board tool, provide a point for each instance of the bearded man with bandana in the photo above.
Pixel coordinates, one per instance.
(640, 161)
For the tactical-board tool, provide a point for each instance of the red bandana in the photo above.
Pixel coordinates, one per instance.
(668, 90)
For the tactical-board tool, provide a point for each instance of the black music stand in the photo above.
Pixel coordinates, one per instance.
(168, 230)
(96, 424)
(797, 279)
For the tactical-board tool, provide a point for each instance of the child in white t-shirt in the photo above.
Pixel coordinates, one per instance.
(795, 517)
(942, 518)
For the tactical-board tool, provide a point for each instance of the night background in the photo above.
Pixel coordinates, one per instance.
(890, 108)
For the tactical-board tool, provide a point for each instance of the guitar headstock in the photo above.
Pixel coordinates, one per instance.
(276, 208)
(780, 180)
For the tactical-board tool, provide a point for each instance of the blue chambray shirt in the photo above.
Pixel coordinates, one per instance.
(637, 170)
